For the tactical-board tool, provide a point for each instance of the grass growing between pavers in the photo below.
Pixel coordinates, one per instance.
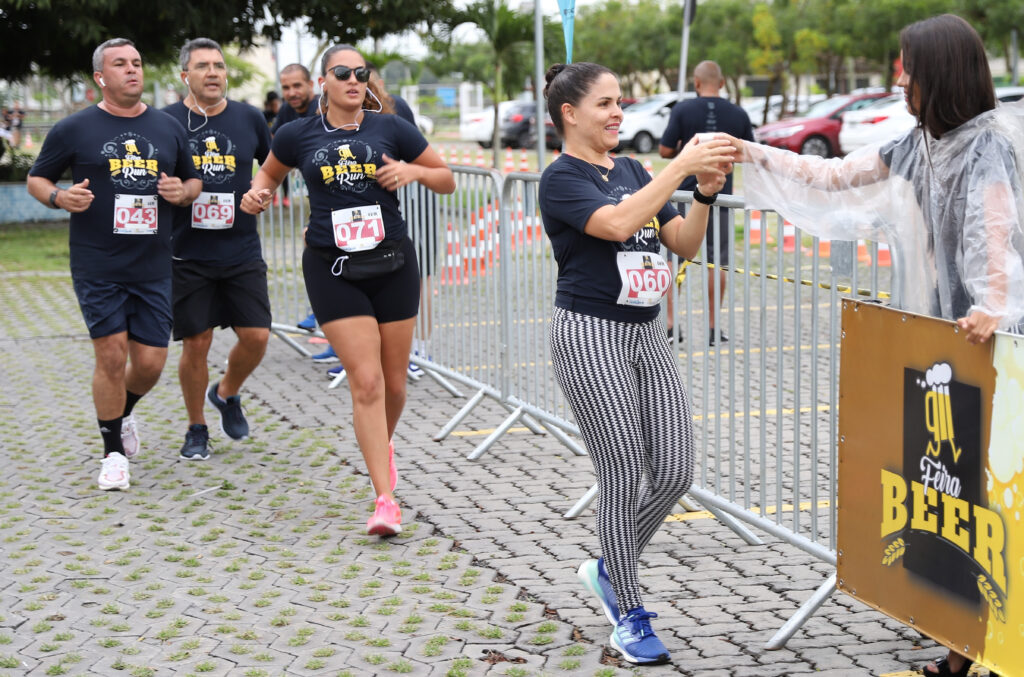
(259, 551)
(41, 247)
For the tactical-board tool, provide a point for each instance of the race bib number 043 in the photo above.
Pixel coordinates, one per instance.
(645, 278)
(135, 214)
(358, 228)
(214, 211)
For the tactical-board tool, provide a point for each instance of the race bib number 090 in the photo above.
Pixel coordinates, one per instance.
(645, 278)
(135, 214)
(358, 228)
(214, 211)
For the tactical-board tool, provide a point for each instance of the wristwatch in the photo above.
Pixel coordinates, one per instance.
(53, 198)
(704, 199)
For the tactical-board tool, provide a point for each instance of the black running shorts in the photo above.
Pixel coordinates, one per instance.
(389, 298)
(208, 296)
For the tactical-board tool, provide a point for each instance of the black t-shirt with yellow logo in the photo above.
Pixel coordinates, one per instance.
(125, 234)
(213, 229)
(340, 168)
(589, 279)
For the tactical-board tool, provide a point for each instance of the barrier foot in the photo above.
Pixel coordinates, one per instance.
(582, 504)
(728, 520)
(457, 419)
(688, 505)
(337, 380)
(802, 614)
(283, 334)
(531, 425)
(498, 432)
(441, 380)
(564, 438)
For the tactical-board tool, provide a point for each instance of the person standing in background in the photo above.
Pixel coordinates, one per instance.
(707, 113)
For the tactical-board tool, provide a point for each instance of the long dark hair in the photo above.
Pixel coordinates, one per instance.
(569, 84)
(948, 69)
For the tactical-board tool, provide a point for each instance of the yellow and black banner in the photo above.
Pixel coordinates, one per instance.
(931, 480)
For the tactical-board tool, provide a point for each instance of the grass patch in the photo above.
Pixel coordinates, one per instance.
(41, 247)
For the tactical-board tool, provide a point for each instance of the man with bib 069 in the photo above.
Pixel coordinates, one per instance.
(130, 166)
(220, 278)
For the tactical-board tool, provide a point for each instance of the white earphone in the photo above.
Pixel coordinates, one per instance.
(102, 84)
(186, 81)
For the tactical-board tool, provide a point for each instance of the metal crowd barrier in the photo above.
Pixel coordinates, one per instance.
(765, 402)
(280, 228)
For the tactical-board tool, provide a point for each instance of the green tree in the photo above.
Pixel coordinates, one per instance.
(506, 32)
(766, 56)
(57, 38)
(721, 32)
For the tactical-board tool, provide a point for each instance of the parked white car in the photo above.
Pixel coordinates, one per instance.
(1009, 94)
(885, 119)
(644, 122)
(424, 124)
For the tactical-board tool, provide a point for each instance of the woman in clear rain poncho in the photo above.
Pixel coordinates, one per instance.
(947, 195)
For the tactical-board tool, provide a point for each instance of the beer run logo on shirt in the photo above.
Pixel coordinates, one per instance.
(131, 161)
(347, 166)
(933, 509)
(213, 155)
(648, 238)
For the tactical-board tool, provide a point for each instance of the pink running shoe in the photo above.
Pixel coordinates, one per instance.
(386, 519)
(391, 466)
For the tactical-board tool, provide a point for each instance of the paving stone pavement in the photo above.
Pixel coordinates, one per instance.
(255, 562)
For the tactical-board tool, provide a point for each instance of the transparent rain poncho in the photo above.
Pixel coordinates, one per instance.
(951, 209)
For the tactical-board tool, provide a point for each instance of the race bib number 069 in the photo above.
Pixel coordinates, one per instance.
(135, 214)
(645, 278)
(214, 211)
(358, 228)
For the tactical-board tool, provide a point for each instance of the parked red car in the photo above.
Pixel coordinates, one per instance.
(817, 132)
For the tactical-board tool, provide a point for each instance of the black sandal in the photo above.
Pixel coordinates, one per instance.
(943, 665)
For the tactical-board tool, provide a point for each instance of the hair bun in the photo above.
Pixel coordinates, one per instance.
(553, 71)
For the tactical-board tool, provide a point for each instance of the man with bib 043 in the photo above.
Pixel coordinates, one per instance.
(130, 165)
(219, 276)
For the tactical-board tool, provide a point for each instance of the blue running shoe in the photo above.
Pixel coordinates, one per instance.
(309, 324)
(335, 372)
(634, 639)
(595, 579)
(326, 357)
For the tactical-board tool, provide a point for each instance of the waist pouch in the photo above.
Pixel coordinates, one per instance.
(387, 257)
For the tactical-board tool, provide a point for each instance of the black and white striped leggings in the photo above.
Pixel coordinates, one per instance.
(628, 398)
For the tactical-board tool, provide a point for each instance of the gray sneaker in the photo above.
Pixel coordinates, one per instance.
(232, 420)
(196, 443)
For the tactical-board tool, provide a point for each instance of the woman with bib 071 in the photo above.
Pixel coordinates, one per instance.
(359, 263)
(607, 220)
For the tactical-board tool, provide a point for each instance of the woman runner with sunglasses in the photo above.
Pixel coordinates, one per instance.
(359, 263)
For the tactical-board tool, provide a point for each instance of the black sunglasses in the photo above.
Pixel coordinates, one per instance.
(342, 73)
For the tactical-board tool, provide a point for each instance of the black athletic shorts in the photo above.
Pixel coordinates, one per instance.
(389, 298)
(207, 296)
(143, 309)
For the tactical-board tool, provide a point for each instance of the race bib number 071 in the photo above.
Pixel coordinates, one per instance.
(358, 228)
(645, 278)
(135, 214)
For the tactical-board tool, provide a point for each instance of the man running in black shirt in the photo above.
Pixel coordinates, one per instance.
(220, 278)
(130, 165)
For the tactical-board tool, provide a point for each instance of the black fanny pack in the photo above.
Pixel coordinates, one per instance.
(387, 257)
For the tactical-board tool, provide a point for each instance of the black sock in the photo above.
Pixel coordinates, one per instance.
(129, 402)
(111, 432)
